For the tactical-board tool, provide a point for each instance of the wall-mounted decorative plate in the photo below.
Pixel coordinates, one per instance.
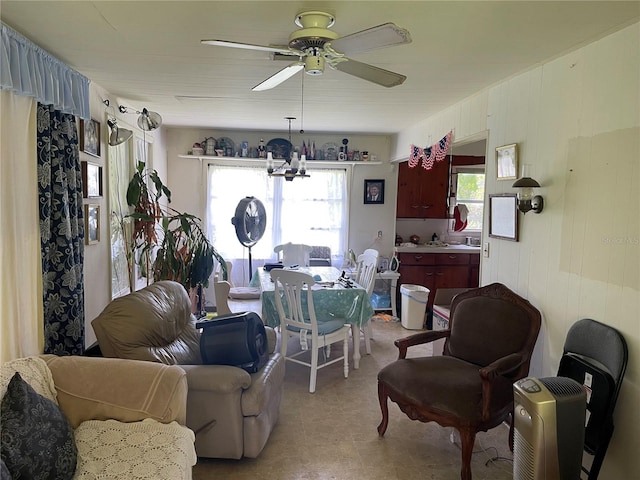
(280, 148)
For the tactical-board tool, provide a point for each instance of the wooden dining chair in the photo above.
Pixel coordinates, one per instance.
(291, 287)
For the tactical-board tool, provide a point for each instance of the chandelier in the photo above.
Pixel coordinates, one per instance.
(292, 167)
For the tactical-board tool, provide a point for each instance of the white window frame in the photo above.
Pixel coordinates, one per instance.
(455, 170)
(279, 184)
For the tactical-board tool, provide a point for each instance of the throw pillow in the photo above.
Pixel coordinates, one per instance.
(4, 471)
(37, 440)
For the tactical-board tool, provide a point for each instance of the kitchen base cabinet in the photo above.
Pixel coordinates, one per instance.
(439, 270)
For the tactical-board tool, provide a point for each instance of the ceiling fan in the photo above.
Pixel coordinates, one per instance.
(315, 45)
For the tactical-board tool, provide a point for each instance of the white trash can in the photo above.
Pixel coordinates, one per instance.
(414, 306)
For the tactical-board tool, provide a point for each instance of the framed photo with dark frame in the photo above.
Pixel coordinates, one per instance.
(503, 216)
(374, 191)
(91, 179)
(507, 162)
(91, 223)
(90, 137)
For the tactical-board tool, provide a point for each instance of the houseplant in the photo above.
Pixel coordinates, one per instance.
(166, 244)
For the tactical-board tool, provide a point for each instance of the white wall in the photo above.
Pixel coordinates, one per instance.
(187, 180)
(576, 121)
(97, 267)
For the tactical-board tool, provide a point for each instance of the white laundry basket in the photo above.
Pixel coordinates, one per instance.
(414, 306)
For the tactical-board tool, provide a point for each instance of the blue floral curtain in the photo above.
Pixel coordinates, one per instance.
(61, 231)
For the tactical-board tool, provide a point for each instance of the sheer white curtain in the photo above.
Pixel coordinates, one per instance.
(310, 210)
(21, 315)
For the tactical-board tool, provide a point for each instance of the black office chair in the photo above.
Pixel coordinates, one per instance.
(595, 355)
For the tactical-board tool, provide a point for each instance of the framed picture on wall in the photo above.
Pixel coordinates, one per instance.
(91, 223)
(503, 216)
(90, 137)
(507, 162)
(91, 180)
(374, 191)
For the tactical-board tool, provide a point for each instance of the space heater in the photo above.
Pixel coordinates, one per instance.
(549, 425)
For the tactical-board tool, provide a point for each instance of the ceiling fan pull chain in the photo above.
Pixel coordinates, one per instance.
(302, 106)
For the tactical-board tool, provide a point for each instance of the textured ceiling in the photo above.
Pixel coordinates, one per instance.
(148, 54)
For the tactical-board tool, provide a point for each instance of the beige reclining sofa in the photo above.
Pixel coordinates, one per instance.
(231, 411)
(127, 418)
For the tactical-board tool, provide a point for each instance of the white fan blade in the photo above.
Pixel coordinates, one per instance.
(371, 73)
(385, 35)
(249, 46)
(279, 77)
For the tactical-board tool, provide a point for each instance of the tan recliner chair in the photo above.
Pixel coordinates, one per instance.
(231, 411)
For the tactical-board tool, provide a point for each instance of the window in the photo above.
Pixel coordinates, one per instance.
(470, 192)
(309, 210)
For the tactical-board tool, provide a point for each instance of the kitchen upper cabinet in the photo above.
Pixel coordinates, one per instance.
(423, 193)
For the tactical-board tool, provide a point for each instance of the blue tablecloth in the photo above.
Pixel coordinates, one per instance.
(352, 304)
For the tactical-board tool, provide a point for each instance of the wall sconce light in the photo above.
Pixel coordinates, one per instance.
(526, 199)
(147, 120)
(117, 135)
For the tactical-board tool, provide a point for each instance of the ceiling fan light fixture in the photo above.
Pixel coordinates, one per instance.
(314, 65)
(315, 44)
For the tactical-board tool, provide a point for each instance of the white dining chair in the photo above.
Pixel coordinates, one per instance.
(295, 322)
(366, 268)
(294, 254)
(371, 251)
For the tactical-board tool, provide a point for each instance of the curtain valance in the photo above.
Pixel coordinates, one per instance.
(28, 70)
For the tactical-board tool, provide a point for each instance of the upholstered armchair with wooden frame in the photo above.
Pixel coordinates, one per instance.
(491, 336)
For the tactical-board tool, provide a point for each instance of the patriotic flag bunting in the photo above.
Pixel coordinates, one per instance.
(429, 155)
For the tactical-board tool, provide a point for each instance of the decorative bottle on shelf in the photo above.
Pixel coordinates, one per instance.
(262, 151)
(312, 152)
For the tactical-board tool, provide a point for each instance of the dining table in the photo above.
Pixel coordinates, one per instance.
(331, 298)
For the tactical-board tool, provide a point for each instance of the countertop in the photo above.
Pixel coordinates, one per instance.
(437, 249)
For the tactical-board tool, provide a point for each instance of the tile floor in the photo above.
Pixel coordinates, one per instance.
(332, 434)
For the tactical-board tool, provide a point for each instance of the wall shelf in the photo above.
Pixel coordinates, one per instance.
(258, 161)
